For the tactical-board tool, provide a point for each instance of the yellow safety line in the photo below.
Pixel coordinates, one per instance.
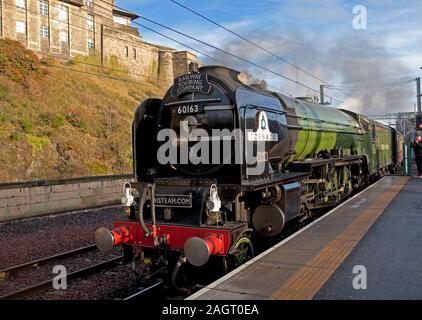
(308, 280)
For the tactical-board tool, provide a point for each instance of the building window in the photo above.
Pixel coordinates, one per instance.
(121, 20)
(90, 22)
(44, 32)
(89, 3)
(64, 13)
(64, 36)
(20, 27)
(20, 4)
(44, 8)
(126, 51)
(134, 53)
(90, 43)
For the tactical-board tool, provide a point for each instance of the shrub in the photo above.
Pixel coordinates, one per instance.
(37, 143)
(3, 59)
(58, 121)
(15, 136)
(75, 119)
(26, 124)
(98, 168)
(3, 92)
(18, 63)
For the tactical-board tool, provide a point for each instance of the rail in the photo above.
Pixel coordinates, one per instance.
(45, 285)
(4, 273)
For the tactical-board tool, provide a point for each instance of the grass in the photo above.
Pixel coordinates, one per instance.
(57, 123)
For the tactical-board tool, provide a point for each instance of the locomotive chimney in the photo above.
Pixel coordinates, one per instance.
(193, 67)
(243, 78)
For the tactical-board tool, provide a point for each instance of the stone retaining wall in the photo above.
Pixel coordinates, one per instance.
(31, 199)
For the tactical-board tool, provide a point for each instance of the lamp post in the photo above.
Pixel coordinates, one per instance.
(418, 93)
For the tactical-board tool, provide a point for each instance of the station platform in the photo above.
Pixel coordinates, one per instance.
(377, 232)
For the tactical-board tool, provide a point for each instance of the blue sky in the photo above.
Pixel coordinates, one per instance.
(315, 35)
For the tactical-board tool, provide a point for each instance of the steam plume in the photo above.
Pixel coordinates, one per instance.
(364, 68)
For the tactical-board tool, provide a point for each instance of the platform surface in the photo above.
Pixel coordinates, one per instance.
(379, 229)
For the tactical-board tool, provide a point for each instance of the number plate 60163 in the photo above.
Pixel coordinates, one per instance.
(189, 109)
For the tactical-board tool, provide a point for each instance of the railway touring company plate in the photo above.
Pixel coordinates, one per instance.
(193, 82)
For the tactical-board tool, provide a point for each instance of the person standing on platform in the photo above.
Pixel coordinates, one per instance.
(417, 147)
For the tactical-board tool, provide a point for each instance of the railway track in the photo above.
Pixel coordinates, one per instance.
(46, 285)
(4, 273)
(144, 291)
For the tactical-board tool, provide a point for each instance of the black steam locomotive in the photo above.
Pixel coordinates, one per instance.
(219, 162)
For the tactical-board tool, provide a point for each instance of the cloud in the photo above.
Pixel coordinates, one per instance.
(323, 11)
(367, 68)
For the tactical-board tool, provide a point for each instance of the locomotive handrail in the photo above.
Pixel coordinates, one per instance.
(322, 130)
(192, 101)
(219, 107)
(320, 120)
(252, 106)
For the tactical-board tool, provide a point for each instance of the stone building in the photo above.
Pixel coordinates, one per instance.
(68, 28)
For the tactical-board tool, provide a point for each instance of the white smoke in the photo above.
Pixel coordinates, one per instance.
(362, 67)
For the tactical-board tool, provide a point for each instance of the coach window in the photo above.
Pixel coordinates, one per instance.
(365, 125)
(374, 133)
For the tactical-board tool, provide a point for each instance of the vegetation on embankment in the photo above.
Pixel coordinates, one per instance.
(60, 123)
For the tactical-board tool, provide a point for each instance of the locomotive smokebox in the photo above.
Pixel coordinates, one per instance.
(198, 250)
(268, 220)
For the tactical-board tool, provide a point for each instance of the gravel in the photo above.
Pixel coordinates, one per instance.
(23, 278)
(30, 239)
(116, 282)
(35, 238)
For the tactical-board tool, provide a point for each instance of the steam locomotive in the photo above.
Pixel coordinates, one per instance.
(219, 163)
